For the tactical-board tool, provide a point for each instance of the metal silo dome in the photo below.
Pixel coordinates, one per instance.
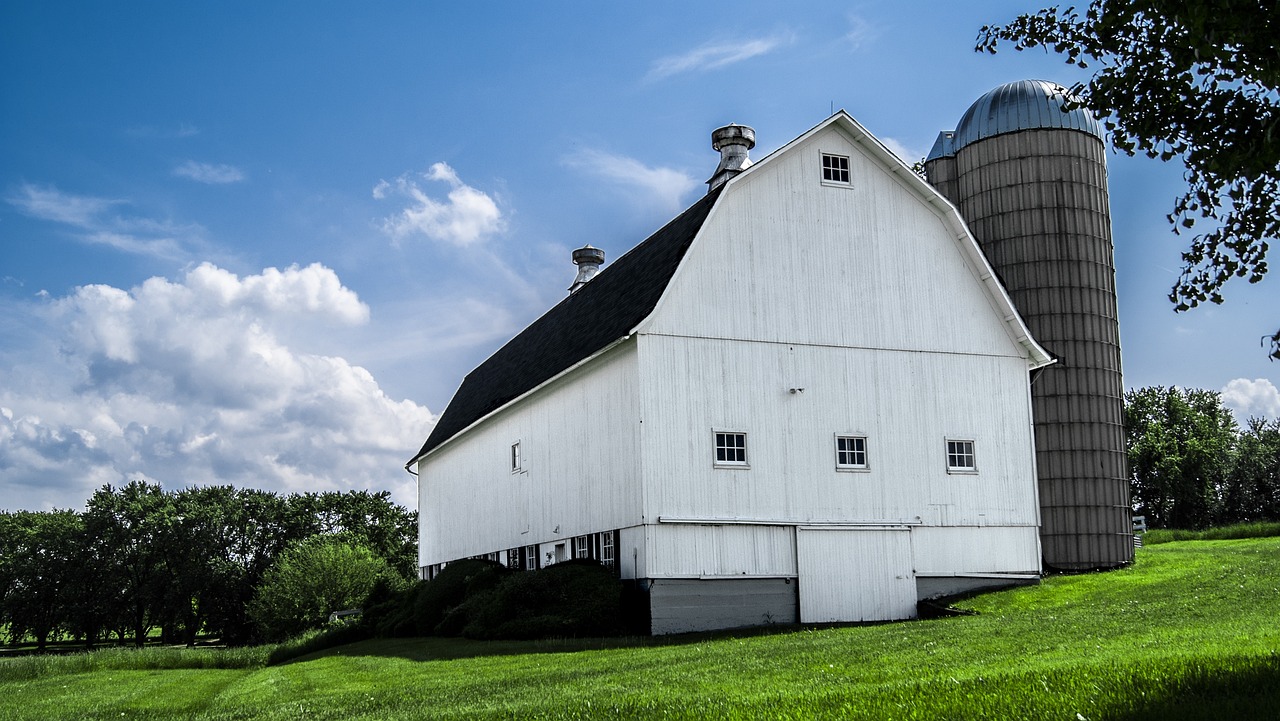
(1022, 105)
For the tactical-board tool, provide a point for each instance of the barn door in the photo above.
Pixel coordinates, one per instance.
(849, 575)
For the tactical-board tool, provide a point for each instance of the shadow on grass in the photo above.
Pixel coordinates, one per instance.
(1238, 688)
(433, 648)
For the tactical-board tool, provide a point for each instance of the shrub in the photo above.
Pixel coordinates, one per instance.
(573, 598)
(313, 578)
(448, 590)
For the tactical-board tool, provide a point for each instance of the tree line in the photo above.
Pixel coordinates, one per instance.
(188, 562)
(1192, 466)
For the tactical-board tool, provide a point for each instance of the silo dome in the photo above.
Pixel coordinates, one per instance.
(1021, 105)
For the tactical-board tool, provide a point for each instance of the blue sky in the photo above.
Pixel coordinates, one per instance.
(261, 243)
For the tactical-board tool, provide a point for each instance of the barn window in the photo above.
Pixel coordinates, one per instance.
(851, 453)
(960, 457)
(606, 548)
(835, 168)
(530, 558)
(581, 547)
(731, 449)
(515, 457)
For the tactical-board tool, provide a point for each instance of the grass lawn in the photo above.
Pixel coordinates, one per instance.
(1191, 631)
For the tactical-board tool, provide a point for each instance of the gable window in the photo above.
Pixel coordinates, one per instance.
(835, 168)
(731, 449)
(960, 457)
(516, 466)
(851, 453)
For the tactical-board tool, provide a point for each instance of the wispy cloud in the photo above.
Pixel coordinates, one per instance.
(182, 130)
(666, 186)
(100, 221)
(209, 173)
(715, 55)
(860, 33)
(466, 215)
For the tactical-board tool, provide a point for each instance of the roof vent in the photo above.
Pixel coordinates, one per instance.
(733, 142)
(588, 260)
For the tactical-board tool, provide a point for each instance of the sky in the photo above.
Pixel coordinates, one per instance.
(261, 244)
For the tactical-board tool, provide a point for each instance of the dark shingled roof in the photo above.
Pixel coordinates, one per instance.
(602, 311)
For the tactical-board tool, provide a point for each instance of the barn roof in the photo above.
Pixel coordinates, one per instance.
(603, 311)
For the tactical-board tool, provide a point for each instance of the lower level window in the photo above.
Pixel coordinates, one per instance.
(731, 449)
(960, 457)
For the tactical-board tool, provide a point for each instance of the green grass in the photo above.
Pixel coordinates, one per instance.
(1189, 632)
(1259, 529)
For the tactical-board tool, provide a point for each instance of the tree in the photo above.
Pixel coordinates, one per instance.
(1253, 486)
(39, 559)
(314, 578)
(1180, 445)
(1195, 79)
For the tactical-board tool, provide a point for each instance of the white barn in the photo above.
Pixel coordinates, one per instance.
(806, 398)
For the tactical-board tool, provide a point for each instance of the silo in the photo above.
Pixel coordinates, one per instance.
(1030, 179)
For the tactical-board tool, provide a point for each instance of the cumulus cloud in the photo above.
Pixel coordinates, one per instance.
(714, 56)
(466, 215)
(103, 221)
(665, 186)
(209, 173)
(1247, 398)
(202, 380)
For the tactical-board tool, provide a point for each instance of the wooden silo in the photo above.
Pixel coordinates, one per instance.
(1030, 180)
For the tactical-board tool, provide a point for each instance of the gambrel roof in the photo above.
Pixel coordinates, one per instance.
(602, 311)
(624, 294)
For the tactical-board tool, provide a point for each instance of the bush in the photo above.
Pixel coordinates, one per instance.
(312, 579)
(573, 598)
(443, 595)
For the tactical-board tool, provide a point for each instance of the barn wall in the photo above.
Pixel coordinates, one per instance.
(786, 258)
(704, 551)
(685, 605)
(580, 455)
(906, 404)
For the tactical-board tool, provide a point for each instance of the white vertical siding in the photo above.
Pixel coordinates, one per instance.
(785, 258)
(905, 403)
(695, 551)
(975, 551)
(579, 443)
(855, 575)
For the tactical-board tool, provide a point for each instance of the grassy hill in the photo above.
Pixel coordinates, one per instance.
(1189, 632)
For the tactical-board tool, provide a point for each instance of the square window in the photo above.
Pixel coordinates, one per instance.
(835, 168)
(731, 449)
(851, 452)
(960, 457)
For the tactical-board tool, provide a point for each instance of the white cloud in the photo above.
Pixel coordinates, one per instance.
(907, 155)
(209, 173)
(666, 186)
(213, 378)
(860, 33)
(714, 56)
(1246, 398)
(100, 221)
(465, 217)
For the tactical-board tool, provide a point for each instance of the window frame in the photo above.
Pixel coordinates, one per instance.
(837, 172)
(852, 467)
(517, 458)
(953, 454)
(716, 437)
